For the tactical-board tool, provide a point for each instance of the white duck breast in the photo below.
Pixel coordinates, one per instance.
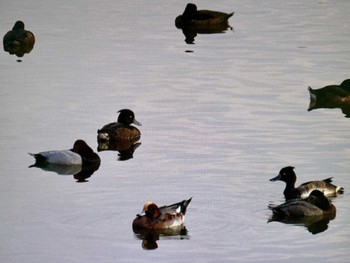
(66, 157)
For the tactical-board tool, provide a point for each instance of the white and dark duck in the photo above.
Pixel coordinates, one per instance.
(122, 129)
(288, 176)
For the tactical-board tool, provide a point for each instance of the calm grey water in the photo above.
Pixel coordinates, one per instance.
(218, 123)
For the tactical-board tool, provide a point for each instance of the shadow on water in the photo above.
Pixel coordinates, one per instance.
(150, 237)
(80, 172)
(126, 148)
(18, 41)
(331, 97)
(314, 225)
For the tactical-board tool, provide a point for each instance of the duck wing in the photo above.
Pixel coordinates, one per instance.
(180, 207)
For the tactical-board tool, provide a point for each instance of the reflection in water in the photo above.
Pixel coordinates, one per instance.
(79, 172)
(126, 148)
(332, 96)
(191, 33)
(18, 41)
(193, 22)
(149, 237)
(314, 225)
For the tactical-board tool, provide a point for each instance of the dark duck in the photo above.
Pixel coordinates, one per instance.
(331, 96)
(18, 41)
(202, 19)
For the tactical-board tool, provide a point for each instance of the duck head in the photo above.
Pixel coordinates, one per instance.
(150, 210)
(286, 175)
(127, 117)
(318, 199)
(19, 25)
(190, 10)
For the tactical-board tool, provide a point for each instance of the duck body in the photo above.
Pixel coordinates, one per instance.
(80, 154)
(202, 19)
(60, 157)
(18, 41)
(331, 96)
(164, 217)
(315, 205)
(122, 129)
(288, 176)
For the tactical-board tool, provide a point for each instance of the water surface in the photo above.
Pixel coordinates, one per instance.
(218, 123)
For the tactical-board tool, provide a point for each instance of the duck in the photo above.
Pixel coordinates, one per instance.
(164, 217)
(121, 130)
(288, 176)
(201, 19)
(331, 96)
(80, 154)
(18, 41)
(315, 205)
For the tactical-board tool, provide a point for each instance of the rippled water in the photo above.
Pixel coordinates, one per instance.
(217, 124)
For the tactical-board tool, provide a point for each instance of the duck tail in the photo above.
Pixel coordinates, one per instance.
(39, 159)
(328, 180)
(184, 205)
(313, 99)
(340, 190)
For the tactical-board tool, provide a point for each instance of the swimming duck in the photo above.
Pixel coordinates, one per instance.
(315, 205)
(18, 41)
(288, 176)
(80, 154)
(331, 96)
(155, 218)
(121, 130)
(202, 19)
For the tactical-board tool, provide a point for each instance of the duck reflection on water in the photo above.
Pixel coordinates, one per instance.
(314, 225)
(150, 237)
(331, 97)
(80, 172)
(126, 148)
(18, 41)
(193, 22)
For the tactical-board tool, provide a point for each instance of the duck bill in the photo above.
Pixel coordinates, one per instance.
(136, 122)
(141, 214)
(278, 177)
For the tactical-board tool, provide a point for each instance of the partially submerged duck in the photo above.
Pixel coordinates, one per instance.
(155, 218)
(202, 19)
(315, 205)
(331, 96)
(18, 41)
(288, 176)
(122, 129)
